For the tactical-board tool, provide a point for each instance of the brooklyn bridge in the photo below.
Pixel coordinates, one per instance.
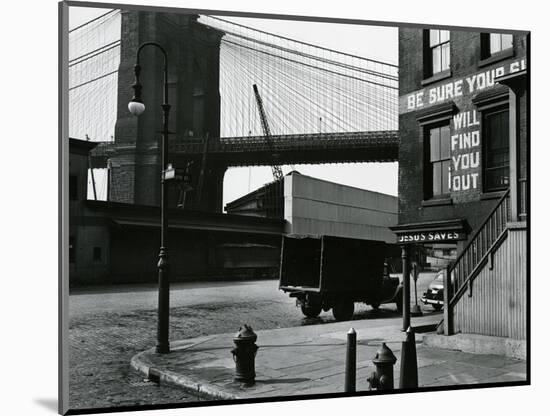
(240, 96)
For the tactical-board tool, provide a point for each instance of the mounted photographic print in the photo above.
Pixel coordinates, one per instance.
(268, 208)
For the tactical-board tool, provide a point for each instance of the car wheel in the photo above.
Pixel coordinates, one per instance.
(343, 310)
(374, 305)
(437, 307)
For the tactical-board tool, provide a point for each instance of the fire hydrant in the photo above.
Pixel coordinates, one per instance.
(244, 355)
(382, 378)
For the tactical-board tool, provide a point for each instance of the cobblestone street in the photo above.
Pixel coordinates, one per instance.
(103, 341)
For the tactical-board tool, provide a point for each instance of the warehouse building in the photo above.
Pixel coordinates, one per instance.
(116, 242)
(312, 206)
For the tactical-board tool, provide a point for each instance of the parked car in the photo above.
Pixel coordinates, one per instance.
(434, 293)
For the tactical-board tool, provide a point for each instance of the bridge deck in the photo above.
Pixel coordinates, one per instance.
(369, 146)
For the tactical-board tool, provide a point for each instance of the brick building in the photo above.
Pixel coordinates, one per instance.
(463, 171)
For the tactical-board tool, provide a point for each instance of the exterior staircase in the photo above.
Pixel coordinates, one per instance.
(486, 286)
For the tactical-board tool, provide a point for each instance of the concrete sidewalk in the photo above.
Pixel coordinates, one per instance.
(311, 359)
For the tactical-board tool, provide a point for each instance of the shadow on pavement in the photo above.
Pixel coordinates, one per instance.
(381, 313)
(50, 404)
(424, 328)
(282, 380)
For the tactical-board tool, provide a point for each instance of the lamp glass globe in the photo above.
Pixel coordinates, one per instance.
(136, 108)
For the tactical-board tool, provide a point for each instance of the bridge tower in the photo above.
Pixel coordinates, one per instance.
(193, 65)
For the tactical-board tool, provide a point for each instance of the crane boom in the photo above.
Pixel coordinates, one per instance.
(275, 169)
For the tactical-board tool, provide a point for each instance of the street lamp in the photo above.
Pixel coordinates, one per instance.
(137, 107)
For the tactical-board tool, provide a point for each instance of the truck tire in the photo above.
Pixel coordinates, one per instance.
(399, 301)
(311, 310)
(343, 310)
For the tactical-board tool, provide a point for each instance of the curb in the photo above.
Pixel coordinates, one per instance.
(141, 364)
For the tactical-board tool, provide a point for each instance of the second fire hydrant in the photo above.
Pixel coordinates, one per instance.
(244, 355)
(382, 378)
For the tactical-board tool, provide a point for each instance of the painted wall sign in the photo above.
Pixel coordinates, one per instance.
(465, 151)
(430, 237)
(458, 87)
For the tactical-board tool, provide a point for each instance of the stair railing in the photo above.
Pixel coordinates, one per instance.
(479, 250)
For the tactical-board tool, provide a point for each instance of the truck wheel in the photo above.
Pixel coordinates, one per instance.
(311, 310)
(399, 301)
(343, 310)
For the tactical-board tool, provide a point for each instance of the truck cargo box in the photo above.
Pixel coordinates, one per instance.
(331, 264)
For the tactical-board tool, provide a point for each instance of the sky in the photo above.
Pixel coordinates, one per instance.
(375, 42)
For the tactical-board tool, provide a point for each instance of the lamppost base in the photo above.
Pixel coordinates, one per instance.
(416, 311)
(162, 349)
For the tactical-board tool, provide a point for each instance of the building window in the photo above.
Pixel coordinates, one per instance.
(97, 254)
(496, 44)
(496, 160)
(499, 42)
(439, 51)
(72, 249)
(438, 161)
(73, 187)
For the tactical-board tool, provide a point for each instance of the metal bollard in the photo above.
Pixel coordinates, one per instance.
(244, 355)
(351, 361)
(382, 378)
(408, 376)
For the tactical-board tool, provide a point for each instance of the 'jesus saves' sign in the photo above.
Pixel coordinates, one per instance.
(430, 237)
